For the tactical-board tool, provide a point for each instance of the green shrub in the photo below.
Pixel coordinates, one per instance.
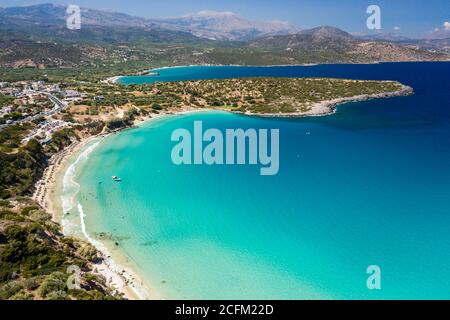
(56, 295)
(5, 203)
(89, 295)
(39, 216)
(31, 283)
(22, 295)
(15, 232)
(7, 215)
(87, 251)
(26, 211)
(55, 284)
(156, 106)
(10, 289)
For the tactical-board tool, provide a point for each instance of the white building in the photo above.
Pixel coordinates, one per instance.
(5, 110)
(72, 94)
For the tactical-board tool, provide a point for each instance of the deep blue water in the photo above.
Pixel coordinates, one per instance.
(370, 185)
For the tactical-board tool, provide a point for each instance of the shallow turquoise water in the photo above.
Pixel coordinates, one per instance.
(368, 185)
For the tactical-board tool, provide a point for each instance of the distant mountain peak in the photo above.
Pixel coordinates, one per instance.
(319, 38)
(209, 24)
(29, 33)
(226, 25)
(328, 31)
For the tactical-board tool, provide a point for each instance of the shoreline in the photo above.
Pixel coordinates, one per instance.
(125, 279)
(329, 107)
(116, 79)
(119, 277)
(113, 80)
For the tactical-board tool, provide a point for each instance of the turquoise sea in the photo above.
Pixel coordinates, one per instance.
(369, 185)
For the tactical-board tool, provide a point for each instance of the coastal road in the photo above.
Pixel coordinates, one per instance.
(59, 105)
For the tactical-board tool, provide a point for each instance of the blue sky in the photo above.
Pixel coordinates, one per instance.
(413, 17)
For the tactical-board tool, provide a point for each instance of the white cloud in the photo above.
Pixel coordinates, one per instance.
(397, 28)
(447, 25)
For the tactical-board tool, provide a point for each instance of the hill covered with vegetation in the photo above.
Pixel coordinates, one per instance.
(37, 37)
(35, 258)
(265, 95)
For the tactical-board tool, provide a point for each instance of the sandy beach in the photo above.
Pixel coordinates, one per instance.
(113, 268)
(122, 280)
(114, 265)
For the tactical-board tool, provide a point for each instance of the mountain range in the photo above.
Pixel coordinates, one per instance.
(226, 26)
(37, 35)
(205, 24)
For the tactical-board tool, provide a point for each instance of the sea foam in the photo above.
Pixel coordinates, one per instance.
(72, 187)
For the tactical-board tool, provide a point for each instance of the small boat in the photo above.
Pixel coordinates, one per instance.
(116, 178)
